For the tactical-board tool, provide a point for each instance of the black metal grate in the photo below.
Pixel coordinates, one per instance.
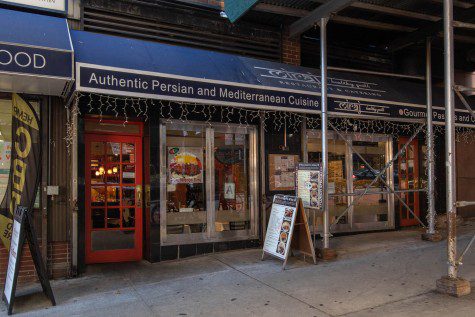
(163, 23)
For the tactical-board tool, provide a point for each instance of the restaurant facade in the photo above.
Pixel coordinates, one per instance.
(163, 149)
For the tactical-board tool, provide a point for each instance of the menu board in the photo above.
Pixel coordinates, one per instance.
(281, 225)
(282, 171)
(310, 184)
(13, 259)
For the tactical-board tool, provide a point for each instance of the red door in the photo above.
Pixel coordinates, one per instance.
(113, 198)
(409, 179)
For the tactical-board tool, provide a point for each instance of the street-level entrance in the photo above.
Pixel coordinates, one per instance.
(408, 176)
(113, 197)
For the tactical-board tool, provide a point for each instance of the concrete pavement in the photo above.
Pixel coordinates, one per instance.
(376, 274)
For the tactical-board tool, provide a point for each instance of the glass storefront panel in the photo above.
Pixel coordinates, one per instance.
(231, 162)
(210, 189)
(349, 175)
(371, 207)
(186, 176)
(337, 175)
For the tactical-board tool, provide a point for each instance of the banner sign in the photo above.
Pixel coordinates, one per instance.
(25, 165)
(48, 5)
(35, 61)
(235, 9)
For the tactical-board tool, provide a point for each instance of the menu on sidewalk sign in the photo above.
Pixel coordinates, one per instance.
(287, 229)
(280, 227)
(23, 230)
(309, 184)
(15, 253)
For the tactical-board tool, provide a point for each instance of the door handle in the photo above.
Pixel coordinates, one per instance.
(138, 189)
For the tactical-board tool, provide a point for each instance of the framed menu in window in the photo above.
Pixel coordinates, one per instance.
(282, 171)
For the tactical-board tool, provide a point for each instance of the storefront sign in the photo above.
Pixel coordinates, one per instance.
(94, 78)
(185, 165)
(25, 165)
(237, 8)
(310, 184)
(35, 61)
(48, 5)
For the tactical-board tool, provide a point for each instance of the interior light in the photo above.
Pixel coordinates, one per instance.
(109, 171)
(97, 173)
(114, 169)
(101, 170)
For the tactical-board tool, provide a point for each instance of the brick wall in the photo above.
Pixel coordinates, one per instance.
(58, 263)
(291, 50)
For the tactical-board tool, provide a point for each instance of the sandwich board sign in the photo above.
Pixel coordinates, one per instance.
(23, 229)
(287, 230)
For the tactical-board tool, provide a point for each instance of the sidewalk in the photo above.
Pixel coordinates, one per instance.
(376, 274)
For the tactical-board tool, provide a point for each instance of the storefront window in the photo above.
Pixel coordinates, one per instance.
(210, 193)
(5, 143)
(185, 192)
(231, 161)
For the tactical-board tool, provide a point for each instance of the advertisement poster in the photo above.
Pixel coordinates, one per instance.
(282, 171)
(185, 165)
(5, 156)
(281, 224)
(310, 184)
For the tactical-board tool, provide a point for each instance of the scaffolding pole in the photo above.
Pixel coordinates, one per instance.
(450, 284)
(323, 68)
(431, 233)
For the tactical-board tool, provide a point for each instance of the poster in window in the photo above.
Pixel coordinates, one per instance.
(185, 165)
(282, 171)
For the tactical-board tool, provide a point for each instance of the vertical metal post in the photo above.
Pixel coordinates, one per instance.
(73, 113)
(430, 143)
(323, 67)
(450, 139)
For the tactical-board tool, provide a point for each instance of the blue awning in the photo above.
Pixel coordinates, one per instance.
(134, 68)
(36, 53)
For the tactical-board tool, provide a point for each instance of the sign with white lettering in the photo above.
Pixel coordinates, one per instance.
(17, 59)
(48, 5)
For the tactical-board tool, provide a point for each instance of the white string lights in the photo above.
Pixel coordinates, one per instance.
(126, 108)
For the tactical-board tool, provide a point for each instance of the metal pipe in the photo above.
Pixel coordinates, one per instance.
(459, 261)
(450, 139)
(323, 68)
(73, 112)
(430, 143)
(464, 25)
(465, 103)
(382, 192)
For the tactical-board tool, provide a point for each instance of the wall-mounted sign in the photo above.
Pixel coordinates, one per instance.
(48, 5)
(282, 171)
(237, 8)
(185, 165)
(19, 59)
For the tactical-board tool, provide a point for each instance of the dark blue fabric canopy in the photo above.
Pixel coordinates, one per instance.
(129, 67)
(30, 29)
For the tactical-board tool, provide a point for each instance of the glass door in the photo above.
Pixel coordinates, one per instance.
(408, 174)
(113, 198)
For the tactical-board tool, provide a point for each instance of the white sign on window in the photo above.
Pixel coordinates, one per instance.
(55, 5)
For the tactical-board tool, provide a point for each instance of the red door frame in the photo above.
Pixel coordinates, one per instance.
(407, 221)
(124, 255)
